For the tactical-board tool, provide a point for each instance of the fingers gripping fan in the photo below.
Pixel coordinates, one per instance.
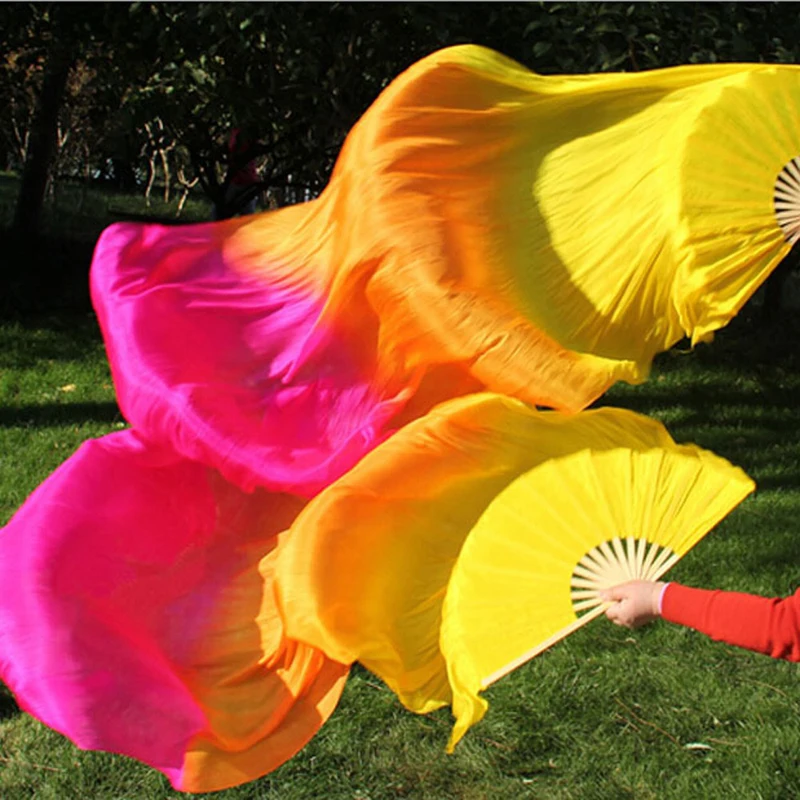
(531, 569)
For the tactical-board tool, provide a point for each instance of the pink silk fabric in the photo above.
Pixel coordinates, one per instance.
(133, 615)
(230, 369)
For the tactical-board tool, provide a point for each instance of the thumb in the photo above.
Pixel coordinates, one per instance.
(613, 594)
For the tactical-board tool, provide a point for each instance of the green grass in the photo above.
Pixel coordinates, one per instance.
(82, 214)
(55, 392)
(659, 713)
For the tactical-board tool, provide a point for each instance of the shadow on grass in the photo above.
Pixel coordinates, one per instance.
(8, 706)
(783, 547)
(45, 416)
(49, 338)
(46, 273)
(738, 396)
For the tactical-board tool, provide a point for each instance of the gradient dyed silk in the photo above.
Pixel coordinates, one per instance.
(427, 562)
(484, 229)
(134, 618)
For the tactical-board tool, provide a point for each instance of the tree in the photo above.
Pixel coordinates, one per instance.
(301, 74)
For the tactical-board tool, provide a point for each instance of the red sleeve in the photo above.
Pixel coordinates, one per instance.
(763, 624)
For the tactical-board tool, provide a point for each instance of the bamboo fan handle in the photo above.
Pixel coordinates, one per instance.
(609, 564)
(542, 646)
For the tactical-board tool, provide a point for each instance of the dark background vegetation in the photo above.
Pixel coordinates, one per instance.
(140, 97)
(121, 109)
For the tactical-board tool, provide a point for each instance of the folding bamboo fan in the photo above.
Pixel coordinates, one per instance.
(505, 222)
(535, 562)
(480, 534)
(787, 200)
(689, 205)
(739, 195)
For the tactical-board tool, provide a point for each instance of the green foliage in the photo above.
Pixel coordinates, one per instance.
(300, 74)
(661, 712)
(593, 37)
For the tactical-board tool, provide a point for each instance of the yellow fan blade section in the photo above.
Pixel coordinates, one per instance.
(510, 595)
(728, 234)
(366, 567)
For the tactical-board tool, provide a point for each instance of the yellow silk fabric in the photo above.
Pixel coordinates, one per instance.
(368, 565)
(547, 234)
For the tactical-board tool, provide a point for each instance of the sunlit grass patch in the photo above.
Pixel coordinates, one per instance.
(658, 713)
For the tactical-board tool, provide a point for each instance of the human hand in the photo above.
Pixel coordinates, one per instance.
(634, 603)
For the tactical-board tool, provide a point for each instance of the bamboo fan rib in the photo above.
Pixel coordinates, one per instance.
(535, 562)
(569, 528)
(608, 564)
(452, 564)
(615, 562)
(787, 200)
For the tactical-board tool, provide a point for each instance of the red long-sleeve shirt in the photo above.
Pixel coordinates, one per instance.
(763, 624)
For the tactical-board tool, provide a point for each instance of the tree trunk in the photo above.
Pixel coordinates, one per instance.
(165, 170)
(87, 178)
(187, 187)
(43, 144)
(22, 136)
(151, 178)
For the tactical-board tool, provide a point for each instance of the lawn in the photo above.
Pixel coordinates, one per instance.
(659, 713)
(83, 211)
(662, 712)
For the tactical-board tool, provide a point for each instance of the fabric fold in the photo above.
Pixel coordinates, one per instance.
(134, 618)
(490, 241)
(475, 517)
(484, 228)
